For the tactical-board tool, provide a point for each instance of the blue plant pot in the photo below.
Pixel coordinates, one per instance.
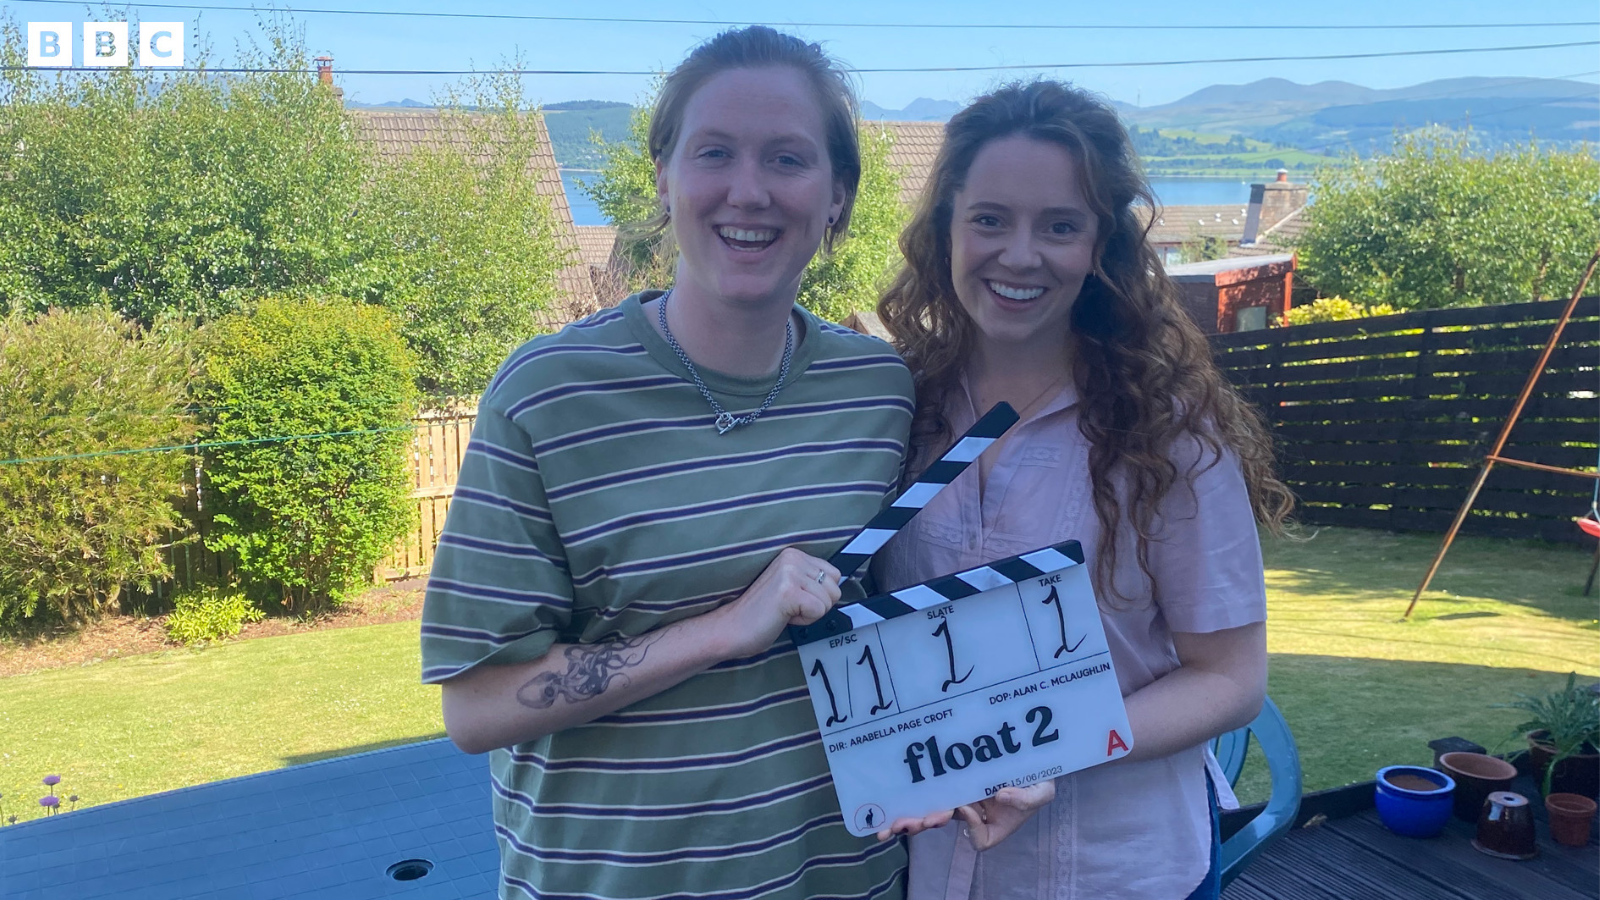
(1410, 811)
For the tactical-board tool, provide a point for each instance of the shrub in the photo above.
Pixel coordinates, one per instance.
(307, 519)
(73, 531)
(1334, 309)
(210, 614)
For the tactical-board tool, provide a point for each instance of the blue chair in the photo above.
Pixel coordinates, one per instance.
(1283, 763)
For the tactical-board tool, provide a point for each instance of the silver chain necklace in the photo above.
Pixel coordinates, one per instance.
(727, 421)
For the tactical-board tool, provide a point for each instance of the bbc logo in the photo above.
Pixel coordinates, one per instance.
(105, 44)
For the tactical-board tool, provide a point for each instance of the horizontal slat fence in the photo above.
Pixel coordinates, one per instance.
(1383, 422)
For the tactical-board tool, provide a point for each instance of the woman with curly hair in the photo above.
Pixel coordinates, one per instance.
(1029, 279)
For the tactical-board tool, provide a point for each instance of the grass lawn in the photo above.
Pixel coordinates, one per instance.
(1363, 689)
(1360, 688)
(126, 727)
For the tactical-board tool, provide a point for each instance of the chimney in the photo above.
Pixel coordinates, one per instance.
(1270, 204)
(325, 75)
(1252, 218)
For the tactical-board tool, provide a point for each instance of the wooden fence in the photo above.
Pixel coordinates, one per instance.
(436, 449)
(1383, 422)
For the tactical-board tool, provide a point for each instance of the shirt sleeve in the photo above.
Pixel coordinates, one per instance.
(1206, 554)
(499, 591)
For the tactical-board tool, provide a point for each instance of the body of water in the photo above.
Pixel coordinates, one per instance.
(584, 212)
(1169, 191)
(1200, 191)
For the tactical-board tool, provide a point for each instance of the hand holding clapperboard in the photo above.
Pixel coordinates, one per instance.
(942, 693)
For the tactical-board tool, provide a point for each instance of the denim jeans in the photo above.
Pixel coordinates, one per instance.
(1211, 886)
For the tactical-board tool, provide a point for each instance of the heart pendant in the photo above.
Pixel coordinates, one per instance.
(725, 423)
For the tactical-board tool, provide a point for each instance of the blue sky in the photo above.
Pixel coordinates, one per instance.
(402, 43)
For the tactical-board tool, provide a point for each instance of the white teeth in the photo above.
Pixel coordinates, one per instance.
(1011, 293)
(754, 237)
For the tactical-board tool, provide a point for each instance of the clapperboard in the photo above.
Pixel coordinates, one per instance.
(944, 692)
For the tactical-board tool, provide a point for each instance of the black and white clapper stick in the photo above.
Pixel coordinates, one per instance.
(883, 526)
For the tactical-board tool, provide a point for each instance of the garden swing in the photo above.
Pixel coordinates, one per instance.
(1590, 521)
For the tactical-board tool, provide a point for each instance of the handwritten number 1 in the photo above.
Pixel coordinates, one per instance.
(833, 705)
(950, 651)
(1061, 619)
(882, 704)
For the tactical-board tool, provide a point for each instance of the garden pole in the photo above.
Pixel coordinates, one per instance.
(1505, 430)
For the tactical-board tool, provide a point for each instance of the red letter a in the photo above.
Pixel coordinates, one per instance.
(1114, 743)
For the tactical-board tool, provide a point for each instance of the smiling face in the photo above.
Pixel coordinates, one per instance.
(1022, 239)
(749, 185)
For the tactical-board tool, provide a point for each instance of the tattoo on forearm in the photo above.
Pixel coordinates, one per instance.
(591, 668)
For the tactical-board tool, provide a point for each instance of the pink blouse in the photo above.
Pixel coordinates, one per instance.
(1129, 830)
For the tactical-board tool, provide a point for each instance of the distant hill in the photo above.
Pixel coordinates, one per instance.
(1335, 116)
(1326, 93)
(407, 103)
(1328, 117)
(587, 104)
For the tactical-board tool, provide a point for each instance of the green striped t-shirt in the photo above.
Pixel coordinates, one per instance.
(596, 501)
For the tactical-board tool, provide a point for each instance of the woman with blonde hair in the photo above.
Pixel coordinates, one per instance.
(1029, 279)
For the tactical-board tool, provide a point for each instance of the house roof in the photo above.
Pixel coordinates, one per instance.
(1177, 224)
(595, 243)
(1280, 238)
(326, 830)
(1231, 270)
(914, 147)
(395, 133)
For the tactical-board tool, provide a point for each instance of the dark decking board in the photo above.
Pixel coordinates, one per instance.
(321, 831)
(1355, 858)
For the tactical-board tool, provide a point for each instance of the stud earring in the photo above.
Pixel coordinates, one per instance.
(830, 220)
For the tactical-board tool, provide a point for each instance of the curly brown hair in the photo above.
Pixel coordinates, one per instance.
(1143, 370)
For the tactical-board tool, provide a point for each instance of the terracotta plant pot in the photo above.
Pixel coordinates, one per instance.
(1577, 774)
(1477, 776)
(1570, 815)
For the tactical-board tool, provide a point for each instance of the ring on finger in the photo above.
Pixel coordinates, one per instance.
(822, 576)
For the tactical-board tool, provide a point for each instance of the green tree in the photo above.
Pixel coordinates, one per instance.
(83, 517)
(853, 276)
(1435, 223)
(191, 195)
(468, 260)
(833, 285)
(307, 519)
(175, 193)
(625, 191)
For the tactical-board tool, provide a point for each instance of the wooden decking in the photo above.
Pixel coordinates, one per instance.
(1355, 858)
